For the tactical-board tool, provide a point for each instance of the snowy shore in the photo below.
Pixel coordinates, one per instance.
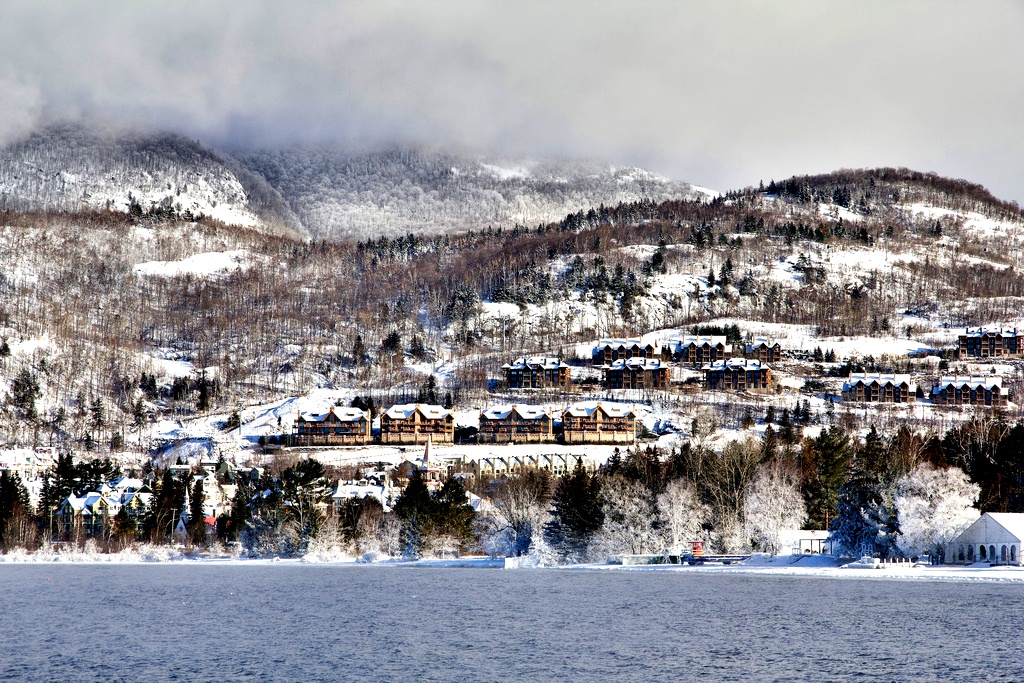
(820, 566)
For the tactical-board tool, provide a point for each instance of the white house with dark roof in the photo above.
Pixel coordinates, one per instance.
(996, 538)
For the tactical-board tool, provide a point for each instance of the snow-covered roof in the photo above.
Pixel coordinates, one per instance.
(1011, 521)
(873, 377)
(406, 410)
(991, 332)
(343, 415)
(701, 340)
(621, 343)
(760, 341)
(536, 362)
(502, 412)
(736, 364)
(587, 408)
(973, 382)
(127, 484)
(635, 364)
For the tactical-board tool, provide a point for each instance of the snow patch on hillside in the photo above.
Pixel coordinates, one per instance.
(201, 265)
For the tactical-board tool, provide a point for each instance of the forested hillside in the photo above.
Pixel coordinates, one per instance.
(344, 194)
(141, 316)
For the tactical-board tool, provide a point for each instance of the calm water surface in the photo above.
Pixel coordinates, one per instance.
(357, 623)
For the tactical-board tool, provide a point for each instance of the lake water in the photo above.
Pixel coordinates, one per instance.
(294, 622)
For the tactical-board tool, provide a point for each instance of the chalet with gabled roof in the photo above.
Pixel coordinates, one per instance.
(415, 423)
(983, 390)
(636, 373)
(865, 387)
(336, 427)
(599, 422)
(608, 351)
(764, 350)
(698, 350)
(990, 343)
(516, 424)
(738, 374)
(536, 372)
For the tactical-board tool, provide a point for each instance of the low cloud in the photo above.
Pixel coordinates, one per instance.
(719, 94)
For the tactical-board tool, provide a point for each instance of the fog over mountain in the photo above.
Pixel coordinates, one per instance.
(720, 94)
(319, 191)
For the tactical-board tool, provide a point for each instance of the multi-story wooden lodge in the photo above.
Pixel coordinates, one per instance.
(416, 423)
(516, 424)
(875, 388)
(990, 343)
(599, 422)
(970, 391)
(738, 374)
(337, 427)
(700, 350)
(536, 372)
(608, 351)
(636, 373)
(764, 350)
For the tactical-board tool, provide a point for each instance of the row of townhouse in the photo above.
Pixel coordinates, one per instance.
(694, 350)
(583, 422)
(894, 388)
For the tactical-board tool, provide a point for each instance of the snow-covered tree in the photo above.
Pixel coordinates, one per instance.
(682, 514)
(630, 521)
(773, 504)
(933, 506)
(865, 521)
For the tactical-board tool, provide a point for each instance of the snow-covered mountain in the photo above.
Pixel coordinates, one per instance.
(337, 193)
(69, 168)
(322, 192)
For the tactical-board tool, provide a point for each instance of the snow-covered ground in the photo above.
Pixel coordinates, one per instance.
(817, 566)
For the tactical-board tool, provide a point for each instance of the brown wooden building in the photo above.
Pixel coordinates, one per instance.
(701, 350)
(636, 373)
(516, 424)
(599, 422)
(414, 423)
(764, 350)
(337, 427)
(608, 351)
(989, 343)
(738, 374)
(536, 372)
(874, 388)
(970, 391)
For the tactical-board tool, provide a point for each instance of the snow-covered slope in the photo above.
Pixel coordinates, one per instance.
(337, 193)
(67, 168)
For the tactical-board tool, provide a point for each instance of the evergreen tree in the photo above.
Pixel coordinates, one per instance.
(358, 351)
(417, 510)
(825, 462)
(239, 512)
(203, 402)
(13, 502)
(454, 515)
(577, 514)
(197, 514)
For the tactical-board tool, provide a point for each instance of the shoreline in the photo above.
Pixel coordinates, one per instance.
(822, 570)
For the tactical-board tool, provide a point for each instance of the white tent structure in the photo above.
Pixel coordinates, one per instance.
(996, 538)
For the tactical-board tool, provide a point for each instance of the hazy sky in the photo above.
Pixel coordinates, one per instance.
(719, 94)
